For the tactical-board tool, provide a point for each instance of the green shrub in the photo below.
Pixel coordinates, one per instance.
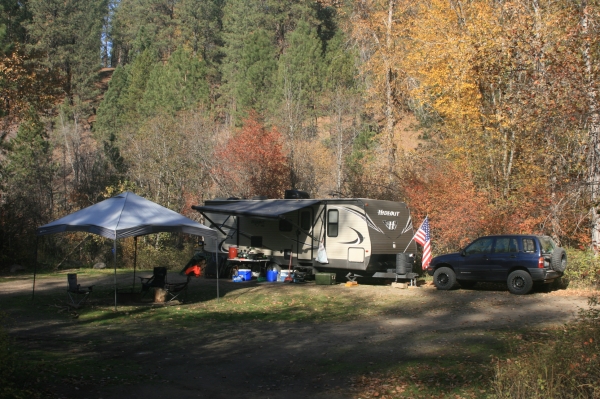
(583, 269)
(563, 363)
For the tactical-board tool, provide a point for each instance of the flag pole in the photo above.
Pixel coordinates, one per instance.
(411, 240)
(414, 235)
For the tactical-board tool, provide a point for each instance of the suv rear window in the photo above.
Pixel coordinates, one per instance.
(547, 244)
(528, 245)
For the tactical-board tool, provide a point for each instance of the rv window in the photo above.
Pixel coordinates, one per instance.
(332, 223)
(284, 225)
(305, 220)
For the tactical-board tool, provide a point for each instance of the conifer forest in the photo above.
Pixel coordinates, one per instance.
(483, 115)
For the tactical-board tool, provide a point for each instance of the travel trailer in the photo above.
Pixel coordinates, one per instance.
(359, 236)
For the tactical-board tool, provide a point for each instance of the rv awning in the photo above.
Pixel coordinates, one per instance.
(271, 209)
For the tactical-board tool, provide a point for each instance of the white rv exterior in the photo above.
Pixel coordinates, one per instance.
(359, 235)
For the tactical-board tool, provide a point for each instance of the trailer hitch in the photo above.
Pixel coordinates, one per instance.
(352, 277)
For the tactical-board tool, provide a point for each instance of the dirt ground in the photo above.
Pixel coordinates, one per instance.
(288, 360)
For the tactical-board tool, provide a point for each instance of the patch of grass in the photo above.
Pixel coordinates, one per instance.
(258, 303)
(19, 378)
(80, 366)
(559, 363)
(433, 379)
(459, 368)
(440, 365)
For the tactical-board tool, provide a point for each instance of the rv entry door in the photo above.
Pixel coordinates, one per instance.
(306, 243)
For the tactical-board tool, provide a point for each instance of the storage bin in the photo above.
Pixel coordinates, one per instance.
(272, 275)
(325, 278)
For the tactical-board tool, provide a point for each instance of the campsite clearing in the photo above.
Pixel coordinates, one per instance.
(275, 340)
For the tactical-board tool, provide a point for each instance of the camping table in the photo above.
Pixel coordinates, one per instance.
(243, 263)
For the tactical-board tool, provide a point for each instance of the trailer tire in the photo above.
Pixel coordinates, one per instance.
(444, 278)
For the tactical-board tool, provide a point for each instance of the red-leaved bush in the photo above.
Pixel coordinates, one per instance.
(252, 163)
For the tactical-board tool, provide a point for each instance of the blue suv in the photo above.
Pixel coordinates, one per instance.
(520, 260)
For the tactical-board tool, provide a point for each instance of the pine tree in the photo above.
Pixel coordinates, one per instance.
(111, 111)
(300, 67)
(140, 24)
(13, 15)
(179, 84)
(3, 44)
(140, 70)
(257, 69)
(199, 25)
(339, 64)
(29, 174)
(242, 18)
(69, 34)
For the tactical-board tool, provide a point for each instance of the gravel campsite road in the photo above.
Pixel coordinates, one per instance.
(291, 360)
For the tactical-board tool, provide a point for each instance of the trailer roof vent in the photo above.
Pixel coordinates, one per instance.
(296, 194)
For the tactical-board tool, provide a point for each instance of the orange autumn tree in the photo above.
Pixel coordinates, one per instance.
(457, 212)
(252, 163)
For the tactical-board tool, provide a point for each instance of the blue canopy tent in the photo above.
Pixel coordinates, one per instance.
(125, 215)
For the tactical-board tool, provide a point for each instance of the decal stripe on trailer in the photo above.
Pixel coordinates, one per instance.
(364, 217)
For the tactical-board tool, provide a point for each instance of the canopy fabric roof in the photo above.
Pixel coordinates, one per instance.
(126, 215)
(271, 209)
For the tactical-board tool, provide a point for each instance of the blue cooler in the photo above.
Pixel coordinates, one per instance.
(246, 274)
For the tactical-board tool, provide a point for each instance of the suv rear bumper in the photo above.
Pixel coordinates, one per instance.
(544, 275)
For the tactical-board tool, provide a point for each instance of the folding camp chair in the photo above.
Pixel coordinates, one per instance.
(173, 290)
(157, 280)
(77, 295)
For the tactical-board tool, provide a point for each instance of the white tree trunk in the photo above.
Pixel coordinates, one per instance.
(593, 129)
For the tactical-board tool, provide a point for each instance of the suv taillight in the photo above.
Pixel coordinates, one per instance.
(541, 262)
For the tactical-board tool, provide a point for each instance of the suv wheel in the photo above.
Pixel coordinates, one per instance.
(519, 282)
(558, 261)
(444, 278)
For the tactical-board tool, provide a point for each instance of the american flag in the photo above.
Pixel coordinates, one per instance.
(423, 238)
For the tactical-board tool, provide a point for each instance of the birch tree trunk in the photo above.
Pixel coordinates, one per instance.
(593, 129)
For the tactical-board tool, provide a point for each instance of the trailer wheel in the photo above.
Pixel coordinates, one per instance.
(444, 278)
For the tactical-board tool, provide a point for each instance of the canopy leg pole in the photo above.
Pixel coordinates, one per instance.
(134, 262)
(37, 239)
(217, 263)
(115, 261)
